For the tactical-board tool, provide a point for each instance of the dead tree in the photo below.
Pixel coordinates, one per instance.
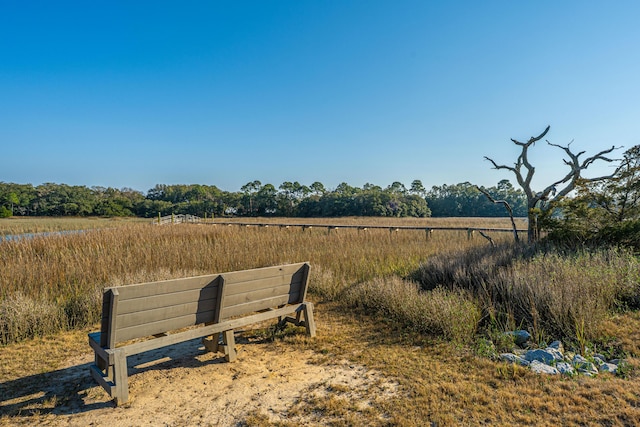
(507, 206)
(544, 199)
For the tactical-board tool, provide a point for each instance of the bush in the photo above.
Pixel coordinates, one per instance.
(564, 295)
(24, 317)
(5, 212)
(452, 315)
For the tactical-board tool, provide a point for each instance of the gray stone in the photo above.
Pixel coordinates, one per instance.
(616, 361)
(599, 359)
(520, 337)
(545, 356)
(584, 366)
(600, 356)
(542, 368)
(565, 368)
(578, 359)
(557, 354)
(609, 367)
(557, 345)
(510, 357)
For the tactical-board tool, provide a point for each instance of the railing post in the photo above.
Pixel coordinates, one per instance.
(470, 232)
(428, 232)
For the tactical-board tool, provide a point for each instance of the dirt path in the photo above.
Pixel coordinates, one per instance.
(185, 386)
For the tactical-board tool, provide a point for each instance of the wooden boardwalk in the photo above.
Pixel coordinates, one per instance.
(178, 219)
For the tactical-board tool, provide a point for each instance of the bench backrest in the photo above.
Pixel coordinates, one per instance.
(140, 310)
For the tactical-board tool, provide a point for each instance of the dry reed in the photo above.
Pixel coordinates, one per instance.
(554, 295)
(69, 271)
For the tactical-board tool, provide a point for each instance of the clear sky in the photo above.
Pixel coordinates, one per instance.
(139, 93)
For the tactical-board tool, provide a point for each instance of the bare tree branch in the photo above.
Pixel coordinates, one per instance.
(509, 210)
(493, 245)
(552, 192)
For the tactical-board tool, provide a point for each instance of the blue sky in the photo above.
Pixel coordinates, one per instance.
(133, 94)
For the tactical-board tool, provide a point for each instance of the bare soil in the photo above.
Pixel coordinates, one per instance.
(183, 385)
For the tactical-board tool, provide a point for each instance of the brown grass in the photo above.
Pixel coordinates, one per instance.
(67, 272)
(439, 383)
(20, 225)
(442, 382)
(554, 295)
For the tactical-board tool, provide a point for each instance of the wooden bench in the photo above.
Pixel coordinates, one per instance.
(208, 306)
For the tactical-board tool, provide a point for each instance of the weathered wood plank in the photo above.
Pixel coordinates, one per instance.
(242, 287)
(309, 321)
(121, 392)
(100, 379)
(94, 342)
(305, 281)
(109, 335)
(140, 290)
(242, 309)
(203, 309)
(153, 344)
(261, 273)
(260, 294)
(229, 342)
(215, 302)
(165, 325)
(209, 292)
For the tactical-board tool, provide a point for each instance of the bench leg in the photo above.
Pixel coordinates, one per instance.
(121, 392)
(309, 322)
(229, 346)
(212, 343)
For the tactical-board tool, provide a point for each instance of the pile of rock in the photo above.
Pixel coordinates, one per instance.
(555, 360)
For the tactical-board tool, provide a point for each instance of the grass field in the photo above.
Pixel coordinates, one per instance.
(21, 225)
(397, 302)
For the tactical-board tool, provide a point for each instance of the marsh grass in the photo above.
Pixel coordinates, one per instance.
(22, 225)
(554, 295)
(67, 272)
(368, 276)
(452, 315)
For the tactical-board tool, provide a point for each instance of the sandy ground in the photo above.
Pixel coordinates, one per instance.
(183, 385)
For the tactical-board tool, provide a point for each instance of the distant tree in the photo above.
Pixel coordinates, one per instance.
(290, 195)
(266, 204)
(250, 189)
(13, 200)
(417, 188)
(318, 188)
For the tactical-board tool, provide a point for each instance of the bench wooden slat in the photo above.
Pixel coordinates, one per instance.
(260, 294)
(203, 309)
(261, 273)
(230, 324)
(242, 309)
(148, 329)
(167, 300)
(141, 290)
(242, 287)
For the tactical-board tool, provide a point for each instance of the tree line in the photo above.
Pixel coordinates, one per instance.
(290, 199)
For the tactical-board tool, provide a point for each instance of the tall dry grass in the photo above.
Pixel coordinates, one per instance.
(452, 315)
(553, 294)
(68, 272)
(21, 225)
